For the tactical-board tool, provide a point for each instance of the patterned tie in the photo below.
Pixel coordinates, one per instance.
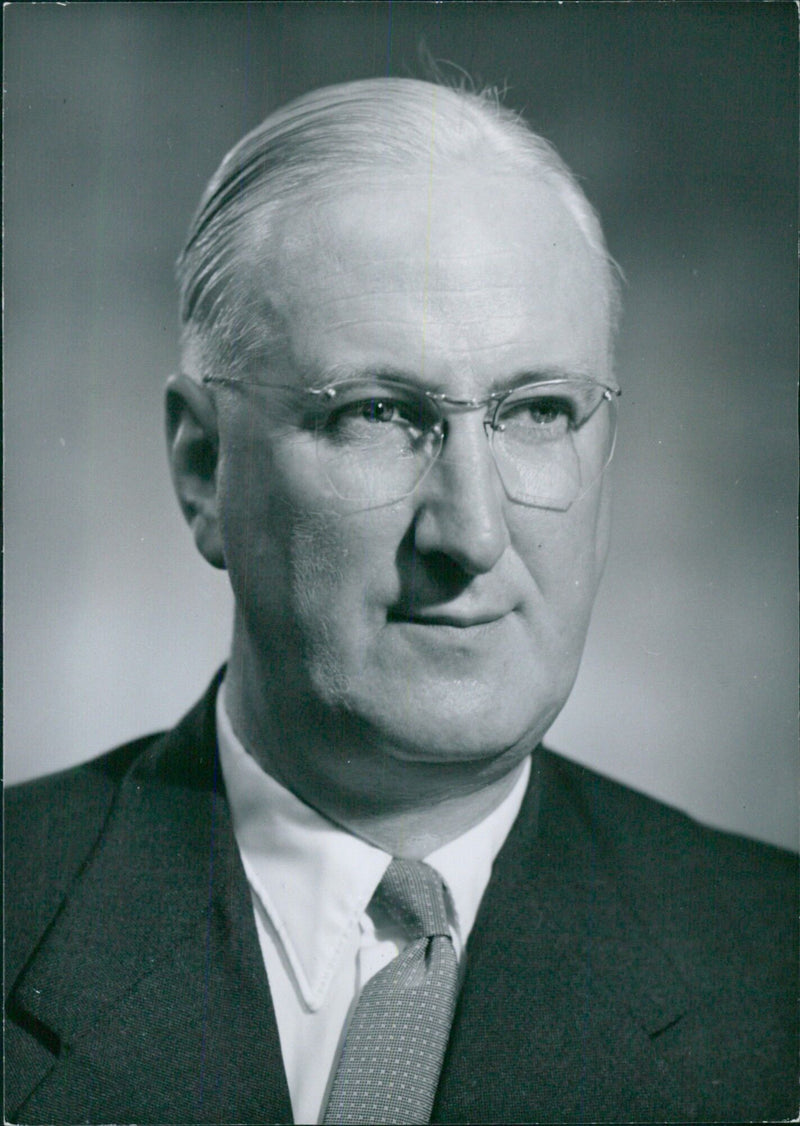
(396, 1040)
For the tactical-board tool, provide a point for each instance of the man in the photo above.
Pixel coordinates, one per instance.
(351, 885)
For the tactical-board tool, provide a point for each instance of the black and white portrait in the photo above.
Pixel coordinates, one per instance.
(400, 562)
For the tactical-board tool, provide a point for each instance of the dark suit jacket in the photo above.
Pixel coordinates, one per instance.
(626, 964)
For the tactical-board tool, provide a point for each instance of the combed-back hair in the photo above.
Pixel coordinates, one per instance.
(338, 135)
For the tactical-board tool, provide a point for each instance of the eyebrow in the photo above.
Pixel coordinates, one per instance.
(340, 373)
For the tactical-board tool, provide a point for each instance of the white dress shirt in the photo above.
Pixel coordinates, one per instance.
(311, 884)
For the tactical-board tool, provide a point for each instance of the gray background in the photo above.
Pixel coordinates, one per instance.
(680, 119)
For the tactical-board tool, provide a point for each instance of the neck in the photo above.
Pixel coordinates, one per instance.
(416, 833)
(361, 782)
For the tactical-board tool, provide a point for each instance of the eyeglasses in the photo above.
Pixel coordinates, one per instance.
(376, 439)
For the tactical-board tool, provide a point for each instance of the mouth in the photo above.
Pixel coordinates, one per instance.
(440, 618)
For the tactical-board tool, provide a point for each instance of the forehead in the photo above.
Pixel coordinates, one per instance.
(468, 277)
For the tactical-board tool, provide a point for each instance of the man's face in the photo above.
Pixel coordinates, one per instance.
(448, 624)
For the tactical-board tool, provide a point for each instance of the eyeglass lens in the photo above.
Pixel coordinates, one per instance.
(550, 441)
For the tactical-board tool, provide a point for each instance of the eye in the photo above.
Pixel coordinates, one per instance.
(358, 415)
(547, 412)
(376, 411)
(381, 410)
(537, 417)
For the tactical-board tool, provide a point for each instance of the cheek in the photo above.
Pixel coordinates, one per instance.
(564, 555)
(318, 562)
(343, 572)
(332, 599)
(299, 563)
(287, 561)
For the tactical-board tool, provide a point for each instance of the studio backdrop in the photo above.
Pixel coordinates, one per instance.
(680, 120)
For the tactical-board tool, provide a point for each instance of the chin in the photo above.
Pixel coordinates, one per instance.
(422, 710)
(461, 727)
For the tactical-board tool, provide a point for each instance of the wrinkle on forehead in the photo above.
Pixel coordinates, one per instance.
(460, 243)
(476, 266)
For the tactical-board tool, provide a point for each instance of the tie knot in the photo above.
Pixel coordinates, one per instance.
(413, 894)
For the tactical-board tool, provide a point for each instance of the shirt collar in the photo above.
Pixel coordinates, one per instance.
(315, 880)
(466, 862)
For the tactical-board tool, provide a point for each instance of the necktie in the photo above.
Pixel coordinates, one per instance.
(395, 1044)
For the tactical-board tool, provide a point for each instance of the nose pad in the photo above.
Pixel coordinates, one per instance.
(462, 503)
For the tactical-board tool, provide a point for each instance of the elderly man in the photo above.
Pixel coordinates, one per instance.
(351, 886)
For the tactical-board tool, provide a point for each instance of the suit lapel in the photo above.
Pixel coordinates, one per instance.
(167, 980)
(563, 987)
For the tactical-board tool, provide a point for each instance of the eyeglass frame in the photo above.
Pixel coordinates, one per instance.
(610, 392)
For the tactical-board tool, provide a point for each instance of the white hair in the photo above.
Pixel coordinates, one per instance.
(332, 136)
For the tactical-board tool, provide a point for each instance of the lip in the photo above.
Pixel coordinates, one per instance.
(454, 620)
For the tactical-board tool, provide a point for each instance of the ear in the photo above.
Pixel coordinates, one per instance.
(193, 451)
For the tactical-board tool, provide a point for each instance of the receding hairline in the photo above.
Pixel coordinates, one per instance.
(272, 240)
(334, 139)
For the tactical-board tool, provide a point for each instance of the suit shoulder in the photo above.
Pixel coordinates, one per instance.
(673, 854)
(56, 798)
(51, 825)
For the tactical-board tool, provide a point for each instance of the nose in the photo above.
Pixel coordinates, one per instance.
(462, 502)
